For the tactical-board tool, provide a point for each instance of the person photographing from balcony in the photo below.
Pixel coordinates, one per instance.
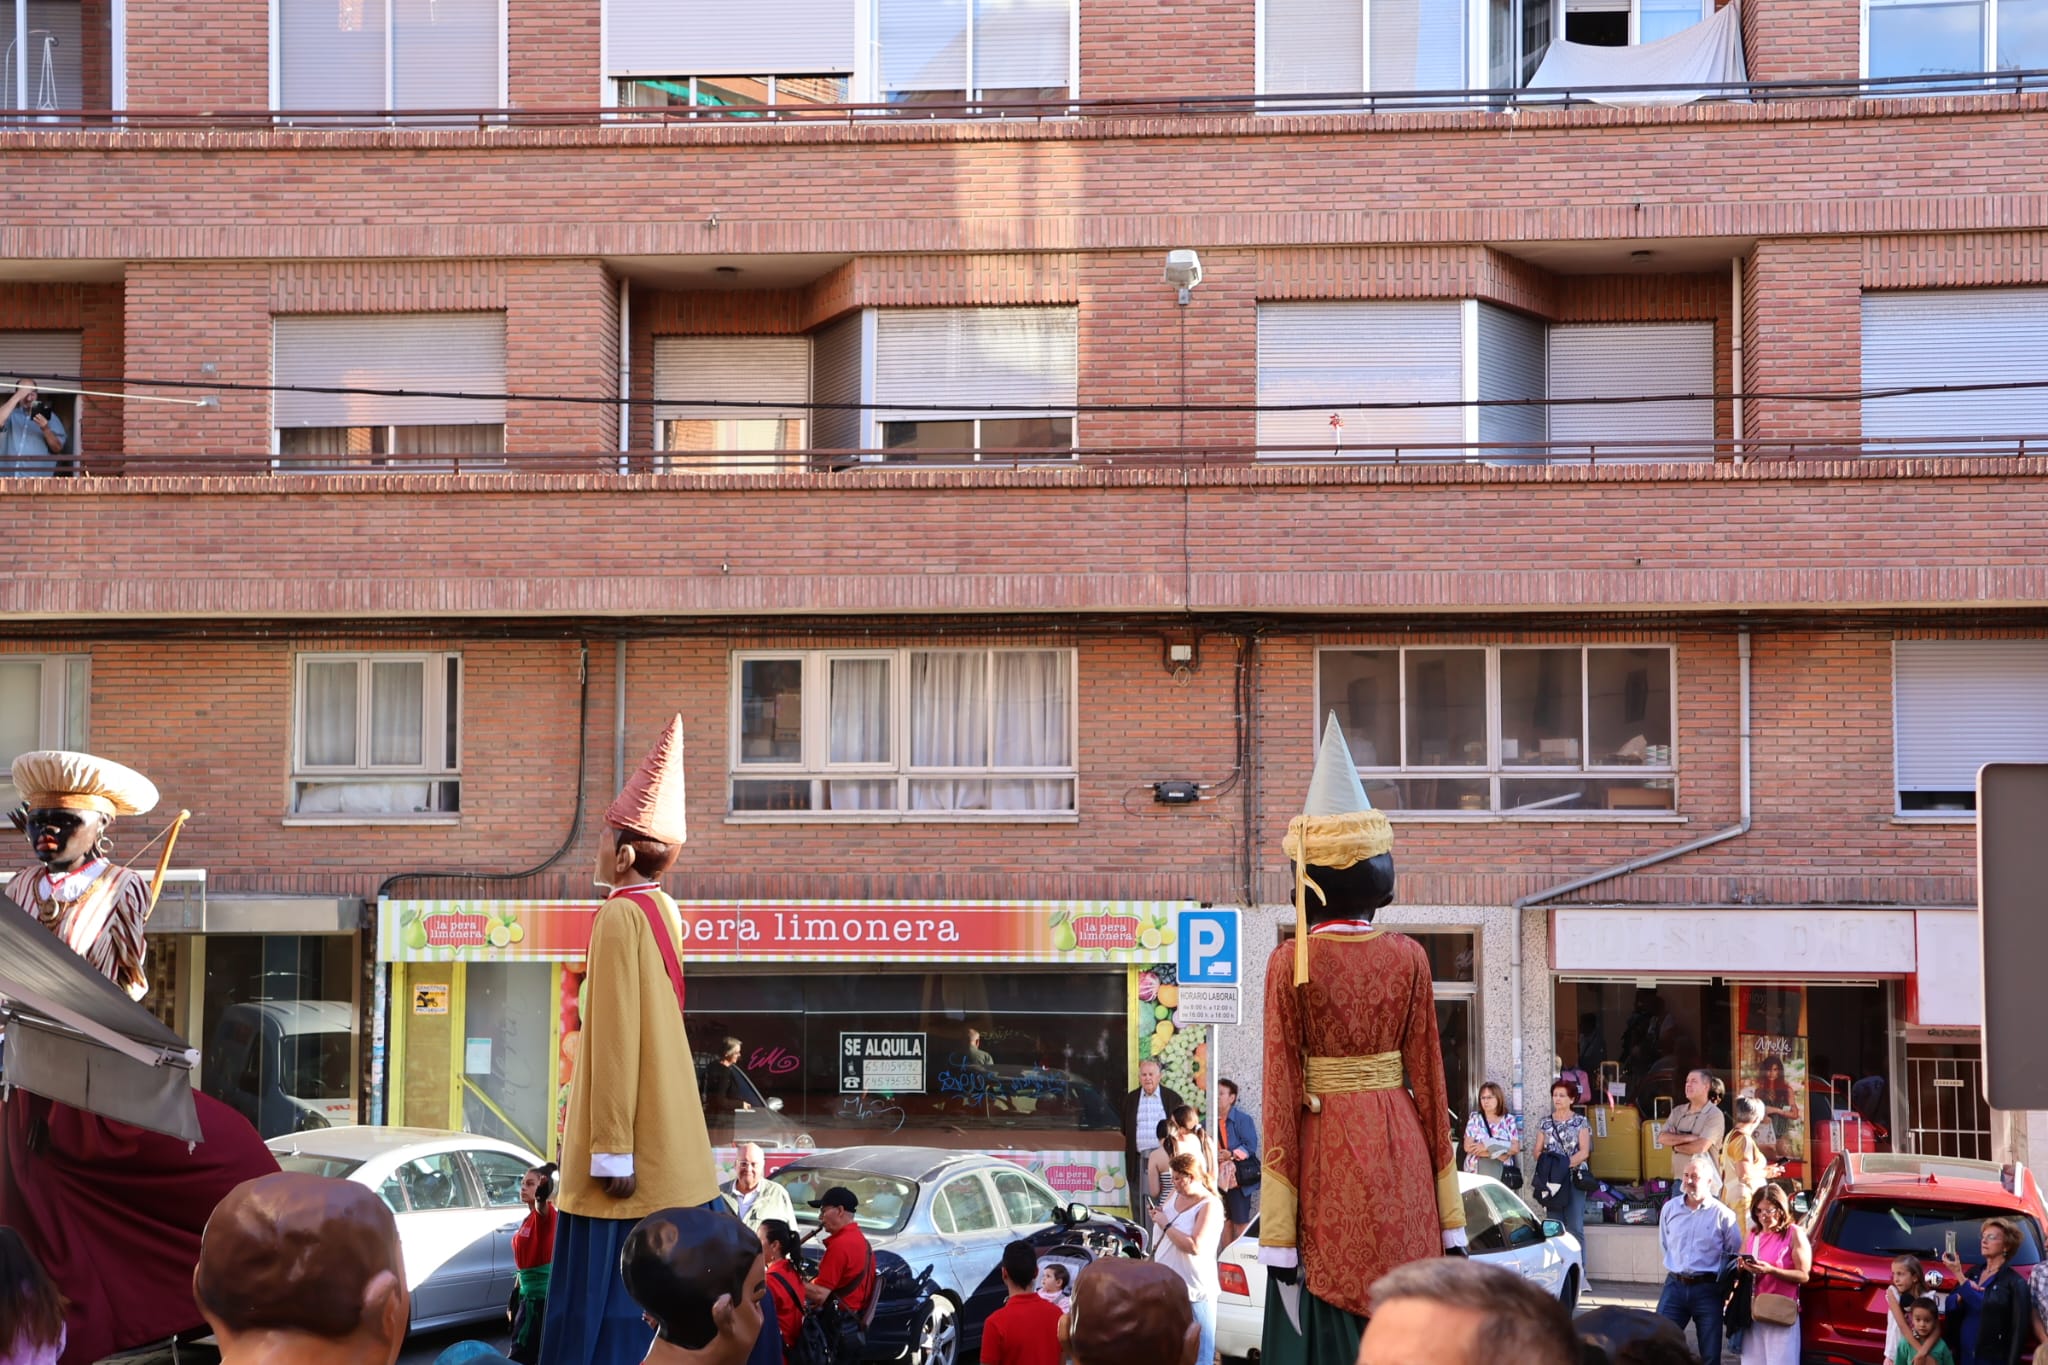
(30, 433)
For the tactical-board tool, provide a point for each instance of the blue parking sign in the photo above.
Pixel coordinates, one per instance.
(1208, 947)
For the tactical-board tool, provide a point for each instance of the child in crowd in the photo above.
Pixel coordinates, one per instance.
(533, 1256)
(1055, 1286)
(1909, 1282)
(1923, 1344)
(31, 1309)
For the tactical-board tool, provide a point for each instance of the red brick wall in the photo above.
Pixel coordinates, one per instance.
(554, 55)
(1803, 333)
(103, 318)
(95, 53)
(179, 317)
(187, 56)
(1801, 40)
(1132, 336)
(1134, 50)
(561, 338)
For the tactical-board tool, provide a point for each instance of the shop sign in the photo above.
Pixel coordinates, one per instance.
(794, 931)
(1804, 943)
(881, 1063)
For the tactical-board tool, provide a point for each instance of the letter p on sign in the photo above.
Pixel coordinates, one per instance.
(1208, 947)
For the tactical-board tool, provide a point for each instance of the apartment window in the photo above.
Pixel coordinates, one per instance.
(711, 54)
(43, 701)
(914, 733)
(1957, 337)
(975, 383)
(1630, 361)
(765, 380)
(957, 51)
(1391, 352)
(45, 353)
(378, 735)
(1323, 47)
(733, 92)
(1957, 705)
(1624, 23)
(55, 56)
(1937, 38)
(351, 56)
(370, 355)
(1514, 730)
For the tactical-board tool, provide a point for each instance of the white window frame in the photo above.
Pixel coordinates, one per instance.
(1987, 59)
(1476, 53)
(60, 673)
(1635, 15)
(1899, 811)
(815, 766)
(1492, 771)
(433, 735)
(390, 55)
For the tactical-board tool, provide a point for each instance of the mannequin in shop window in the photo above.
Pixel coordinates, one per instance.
(1360, 1175)
(113, 1212)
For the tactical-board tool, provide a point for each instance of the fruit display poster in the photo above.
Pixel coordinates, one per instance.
(1133, 932)
(1182, 1050)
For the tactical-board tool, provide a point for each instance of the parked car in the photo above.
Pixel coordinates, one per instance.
(938, 1221)
(762, 1122)
(1499, 1229)
(285, 1065)
(456, 1196)
(1873, 1206)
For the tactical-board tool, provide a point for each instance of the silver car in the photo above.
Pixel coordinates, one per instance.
(456, 1197)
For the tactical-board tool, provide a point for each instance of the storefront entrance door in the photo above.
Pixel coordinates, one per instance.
(1945, 1100)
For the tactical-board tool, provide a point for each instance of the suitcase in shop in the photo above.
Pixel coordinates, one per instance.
(1656, 1156)
(1617, 1133)
(1847, 1131)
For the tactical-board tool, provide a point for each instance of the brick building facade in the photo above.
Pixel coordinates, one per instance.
(359, 633)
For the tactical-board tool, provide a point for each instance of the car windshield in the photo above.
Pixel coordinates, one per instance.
(333, 1167)
(1873, 1227)
(885, 1200)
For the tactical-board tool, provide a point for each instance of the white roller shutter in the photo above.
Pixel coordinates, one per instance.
(837, 368)
(331, 55)
(721, 38)
(1955, 336)
(440, 352)
(1632, 360)
(1022, 44)
(55, 63)
(1314, 47)
(39, 353)
(923, 45)
(1511, 365)
(745, 371)
(1340, 353)
(955, 362)
(1417, 44)
(1959, 704)
(446, 54)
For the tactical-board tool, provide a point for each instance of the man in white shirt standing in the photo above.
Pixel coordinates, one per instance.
(1144, 1109)
(753, 1199)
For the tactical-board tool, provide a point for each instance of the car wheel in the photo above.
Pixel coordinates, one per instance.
(938, 1341)
(1569, 1295)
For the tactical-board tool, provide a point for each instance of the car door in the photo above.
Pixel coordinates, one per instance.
(1529, 1253)
(1026, 1203)
(976, 1233)
(446, 1234)
(498, 1175)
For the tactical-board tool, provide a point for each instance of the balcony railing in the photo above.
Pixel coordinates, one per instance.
(832, 465)
(2012, 83)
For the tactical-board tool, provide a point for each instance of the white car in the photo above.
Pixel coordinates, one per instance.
(456, 1196)
(1499, 1228)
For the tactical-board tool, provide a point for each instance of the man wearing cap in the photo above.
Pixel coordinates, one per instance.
(635, 1141)
(1359, 1170)
(847, 1270)
(113, 1212)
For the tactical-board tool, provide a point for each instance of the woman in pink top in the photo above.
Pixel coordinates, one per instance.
(1781, 1259)
(31, 1309)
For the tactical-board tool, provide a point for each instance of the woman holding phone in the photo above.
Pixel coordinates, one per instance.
(1988, 1317)
(1781, 1259)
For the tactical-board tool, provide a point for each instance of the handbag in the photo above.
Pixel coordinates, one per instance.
(1249, 1172)
(1511, 1175)
(1583, 1179)
(1776, 1309)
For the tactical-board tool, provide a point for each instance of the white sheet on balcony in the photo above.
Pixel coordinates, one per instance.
(1708, 53)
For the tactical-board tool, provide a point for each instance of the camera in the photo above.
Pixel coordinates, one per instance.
(40, 408)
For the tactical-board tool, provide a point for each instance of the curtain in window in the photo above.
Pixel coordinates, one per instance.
(949, 727)
(859, 731)
(330, 715)
(21, 708)
(397, 734)
(1032, 728)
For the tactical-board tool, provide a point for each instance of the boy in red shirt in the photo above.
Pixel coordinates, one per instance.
(1025, 1330)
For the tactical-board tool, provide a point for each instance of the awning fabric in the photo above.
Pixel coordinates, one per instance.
(1708, 53)
(74, 1037)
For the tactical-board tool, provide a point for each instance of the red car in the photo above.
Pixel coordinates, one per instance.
(1873, 1206)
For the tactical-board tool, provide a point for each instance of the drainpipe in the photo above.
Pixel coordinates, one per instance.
(1736, 830)
(1735, 358)
(626, 377)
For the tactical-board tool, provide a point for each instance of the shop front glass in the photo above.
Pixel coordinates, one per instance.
(278, 1028)
(1030, 1059)
(1816, 1056)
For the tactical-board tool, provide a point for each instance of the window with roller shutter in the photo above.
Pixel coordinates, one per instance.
(1957, 338)
(359, 56)
(975, 383)
(337, 403)
(1957, 705)
(730, 404)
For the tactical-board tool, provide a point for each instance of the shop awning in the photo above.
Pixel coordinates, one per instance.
(74, 1037)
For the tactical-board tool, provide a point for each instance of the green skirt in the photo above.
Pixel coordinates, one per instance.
(1328, 1335)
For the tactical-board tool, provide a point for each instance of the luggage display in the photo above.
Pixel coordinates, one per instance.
(1657, 1157)
(1617, 1131)
(1847, 1131)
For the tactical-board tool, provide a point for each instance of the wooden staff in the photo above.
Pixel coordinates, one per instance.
(163, 861)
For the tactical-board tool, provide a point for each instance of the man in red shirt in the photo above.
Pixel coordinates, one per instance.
(1026, 1329)
(848, 1266)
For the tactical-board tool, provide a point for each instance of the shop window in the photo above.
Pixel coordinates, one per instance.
(1515, 731)
(1957, 705)
(278, 1018)
(378, 736)
(42, 706)
(918, 733)
(1056, 1042)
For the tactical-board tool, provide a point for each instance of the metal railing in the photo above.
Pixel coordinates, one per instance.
(841, 465)
(1509, 100)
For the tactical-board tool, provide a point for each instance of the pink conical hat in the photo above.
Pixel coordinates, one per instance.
(652, 803)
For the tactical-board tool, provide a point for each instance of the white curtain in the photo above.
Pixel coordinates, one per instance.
(1709, 52)
(397, 736)
(859, 732)
(330, 715)
(397, 713)
(1032, 728)
(949, 726)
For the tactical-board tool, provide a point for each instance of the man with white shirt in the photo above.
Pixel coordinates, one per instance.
(753, 1199)
(1144, 1110)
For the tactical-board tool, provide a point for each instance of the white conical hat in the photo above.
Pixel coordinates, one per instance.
(1334, 789)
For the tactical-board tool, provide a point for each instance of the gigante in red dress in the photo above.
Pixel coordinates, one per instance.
(114, 1212)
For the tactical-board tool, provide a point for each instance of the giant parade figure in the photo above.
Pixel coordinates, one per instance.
(114, 1212)
(635, 1143)
(1360, 1175)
